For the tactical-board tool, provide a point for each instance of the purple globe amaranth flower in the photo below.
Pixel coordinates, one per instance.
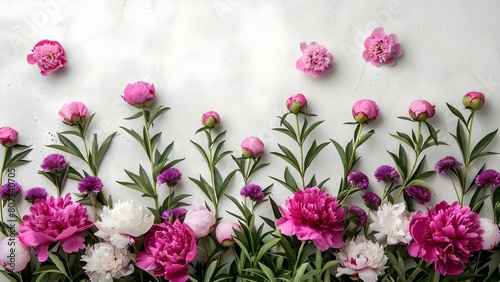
(315, 59)
(177, 213)
(372, 200)
(357, 215)
(32, 194)
(358, 179)
(170, 176)
(90, 184)
(10, 190)
(421, 110)
(489, 178)
(387, 174)
(420, 194)
(210, 119)
(446, 164)
(252, 191)
(381, 48)
(473, 100)
(296, 103)
(54, 163)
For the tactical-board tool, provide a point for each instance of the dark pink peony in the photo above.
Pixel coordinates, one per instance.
(48, 55)
(447, 235)
(169, 249)
(315, 215)
(54, 220)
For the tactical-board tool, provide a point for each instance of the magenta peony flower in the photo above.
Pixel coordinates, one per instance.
(252, 191)
(473, 100)
(10, 190)
(90, 184)
(74, 113)
(358, 179)
(177, 213)
(489, 178)
(252, 147)
(32, 194)
(169, 250)
(225, 233)
(170, 176)
(201, 221)
(372, 200)
(420, 194)
(54, 220)
(421, 110)
(8, 136)
(139, 94)
(54, 163)
(314, 215)
(210, 119)
(447, 235)
(48, 55)
(446, 164)
(315, 59)
(381, 48)
(357, 215)
(296, 103)
(364, 111)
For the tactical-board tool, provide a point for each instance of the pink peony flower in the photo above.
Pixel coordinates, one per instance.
(252, 147)
(169, 249)
(48, 55)
(381, 48)
(364, 111)
(139, 94)
(447, 235)
(210, 119)
(8, 136)
(74, 113)
(54, 220)
(314, 215)
(201, 221)
(491, 236)
(421, 110)
(225, 233)
(315, 59)
(296, 103)
(14, 255)
(473, 100)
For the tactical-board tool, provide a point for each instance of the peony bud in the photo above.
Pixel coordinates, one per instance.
(74, 113)
(473, 100)
(48, 55)
(14, 255)
(225, 233)
(296, 103)
(364, 111)
(202, 221)
(8, 136)
(252, 147)
(491, 235)
(210, 119)
(421, 110)
(139, 94)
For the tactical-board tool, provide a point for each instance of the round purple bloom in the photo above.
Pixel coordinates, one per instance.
(90, 184)
(489, 178)
(387, 174)
(169, 176)
(253, 191)
(358, 179)
(176, 213)
(372, 200)
(10, 190)
(420, 194)
(35, 193)
(54, 163)
(357, 215)
(445, 165)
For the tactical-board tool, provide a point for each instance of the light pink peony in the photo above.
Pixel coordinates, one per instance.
(381, 48)
(447, 235)
(210, 119)
(201, 221)
(313, 214)
(315, 59)
(73, 113)
(8, 136)
(364, 110)
(421, 110)
(473, 100)
(169, 248)
(139, 94)
(14, 255)
(491, 236)
(252, 147)
(296, 103)
(225, 233)
(48, 55)
(54, 220)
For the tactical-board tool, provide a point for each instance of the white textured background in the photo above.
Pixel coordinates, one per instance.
(237, 57)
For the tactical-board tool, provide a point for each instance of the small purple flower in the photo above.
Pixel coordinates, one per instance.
(90, 184)
(10, 190)
(372, 200)
(253, 191)
(169, 176)
(35, 193)
(358, 179)
(445, 165)
(357, 215)
(387, 174)
(54, 163)
(420, 194)
(489, 178)
(175, 213)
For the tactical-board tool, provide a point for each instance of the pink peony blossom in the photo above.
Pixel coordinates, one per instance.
(364, 110)
(48, 55)
(252, 147)
(210, 119)
(447, 235)
(201, 221)
(169, 248)
(225, 233)
(139, 94)
(14, 255)
(315, 59)
(296, 103)
(491, 236)
(8, 136)
(314, 215)
(381, 48)
(421, 110)
(54, 220)
(73, 113)
(473, 100)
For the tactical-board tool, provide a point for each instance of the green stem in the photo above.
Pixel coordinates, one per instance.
(169, 197)
(418, 150)
(1, 181)
(460, 199)
(246, 175)
(150, 155)
(346, 195)
(302, 171)
(467, 156)
(92, 198)
(211, 168)
(298, 258)
(351, 158)
(415, 270)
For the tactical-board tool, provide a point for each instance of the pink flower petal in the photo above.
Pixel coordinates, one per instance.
(146, 261)
(73, 244)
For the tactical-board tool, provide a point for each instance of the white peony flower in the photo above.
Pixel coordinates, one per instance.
(125, 221)
(105, 262)
(391, 220)
(491, 235)
(361, 258)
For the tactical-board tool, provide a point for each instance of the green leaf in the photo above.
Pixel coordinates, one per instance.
(395, 262)
(202, 152)
(306, 133)
(157, 113)
(17, 159)
(58, 263)
(421, 183)
(342, 154)
(365, 137)
(482, 144)
(67, 143)
(267, 271)
(287, 156)
(136, 136)
(134, 116)
(313, 152)
(457, 113)
(432, 132)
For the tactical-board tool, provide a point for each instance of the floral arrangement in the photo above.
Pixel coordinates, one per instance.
(82, 234)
